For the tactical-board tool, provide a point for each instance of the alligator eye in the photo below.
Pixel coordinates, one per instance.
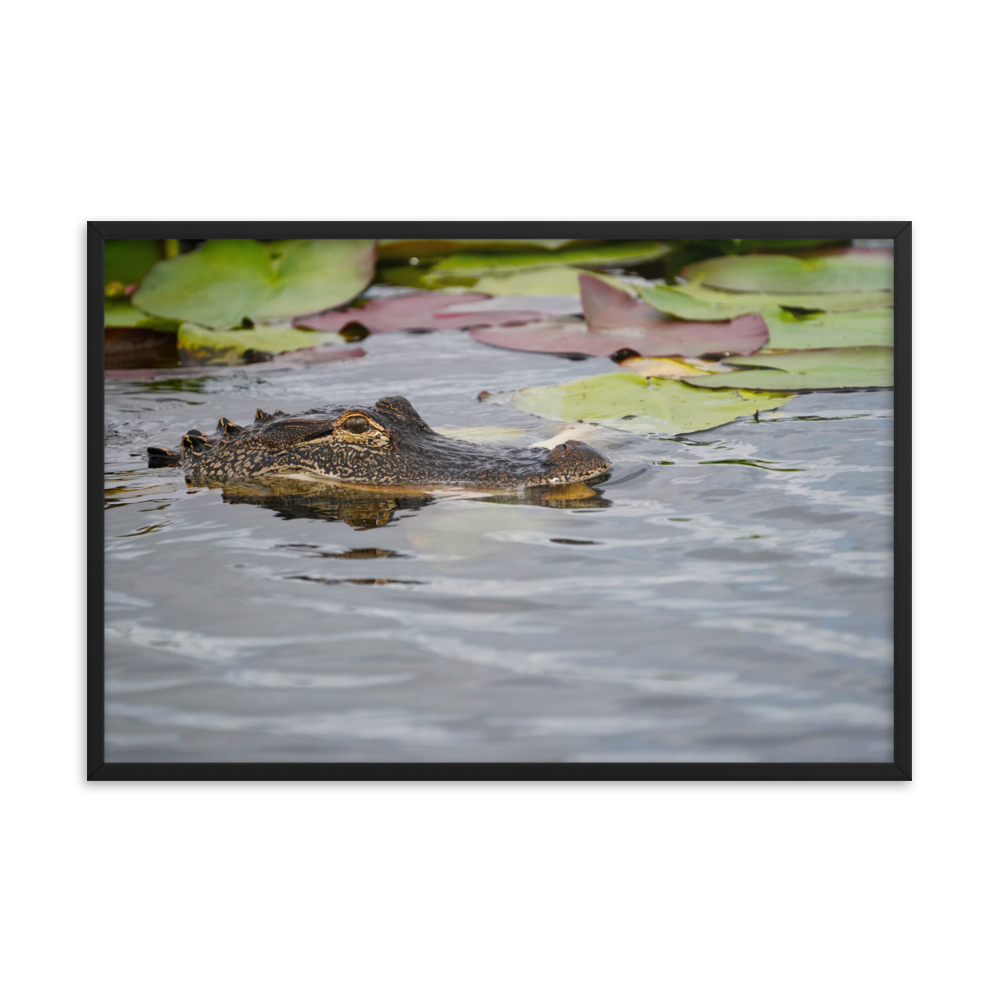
(356, 425)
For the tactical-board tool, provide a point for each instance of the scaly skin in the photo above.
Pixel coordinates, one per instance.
(384, 445)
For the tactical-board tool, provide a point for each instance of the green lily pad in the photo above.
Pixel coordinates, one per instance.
(402, 249)
(531, 281)
(226, 280)
(857, 311)
(204, 345)
(121, 314)
(791, 371)
(645, 406)
(676, 303)
(752, 246)
(128, 261)
(864, 328)
(558, 280)
(472, 263)
(854, 271)
(812, 302)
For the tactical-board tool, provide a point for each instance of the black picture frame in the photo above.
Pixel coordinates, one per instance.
(900, 769)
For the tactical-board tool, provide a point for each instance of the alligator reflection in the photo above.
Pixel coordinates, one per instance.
(570, 495)
(291, 499)
(375, 507)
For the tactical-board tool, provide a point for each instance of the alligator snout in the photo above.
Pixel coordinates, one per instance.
(573, 461)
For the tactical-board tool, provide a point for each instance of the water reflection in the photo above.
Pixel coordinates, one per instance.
(314, 551)
(375, 507)
(570, 495)
(291, 499)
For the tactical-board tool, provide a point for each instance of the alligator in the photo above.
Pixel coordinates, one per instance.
(387, 444)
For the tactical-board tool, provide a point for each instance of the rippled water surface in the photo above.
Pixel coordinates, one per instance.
(724, 597)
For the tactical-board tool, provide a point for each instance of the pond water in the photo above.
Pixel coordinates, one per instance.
(726, 596)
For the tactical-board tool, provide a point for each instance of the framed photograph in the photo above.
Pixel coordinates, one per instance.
(511, 501)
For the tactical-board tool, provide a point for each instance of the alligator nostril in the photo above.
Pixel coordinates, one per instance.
(571, 445)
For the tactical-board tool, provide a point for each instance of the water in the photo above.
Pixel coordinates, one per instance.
(725, 597)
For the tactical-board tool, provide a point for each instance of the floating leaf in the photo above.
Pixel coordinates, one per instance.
(205, 345)
(139, 348)
(853, 271)
(226, 280)
(294, 359)
(670, 367)
(121, 314)
(739, 336)
(506, 309)
(795, 328)
(610, 308)
(829, 368)
(403, 249)
(128, 261)
(676, 303)
(400, 312)
(532, 281)
(596, 255)
(867, 328)
(760, 301)
(555, 280)
(633, 403)
(616, 321)
(753, 246)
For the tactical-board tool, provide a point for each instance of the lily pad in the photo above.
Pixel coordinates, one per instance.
(401, 312)
(828, 368)
(795, 328)
(404, 249)
(225, 281)
(864, 328)
(204, 345)
(139, 348)
(752, 246)
(532, 281)
(294, 359)
(676, 303)
(854, 271)
(645, 406)
(813, 302)
(535, 305)
(610, 309)
(121, 314)
(472, 263)
(739, 336)
(676, 368)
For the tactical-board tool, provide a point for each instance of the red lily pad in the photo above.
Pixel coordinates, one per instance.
(139, 348)
(609, 308)
(401, 312)
(495, 317)
(293, 359)
(742, 335)
(504, 309)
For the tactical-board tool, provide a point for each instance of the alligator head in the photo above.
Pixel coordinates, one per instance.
(387, 444)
